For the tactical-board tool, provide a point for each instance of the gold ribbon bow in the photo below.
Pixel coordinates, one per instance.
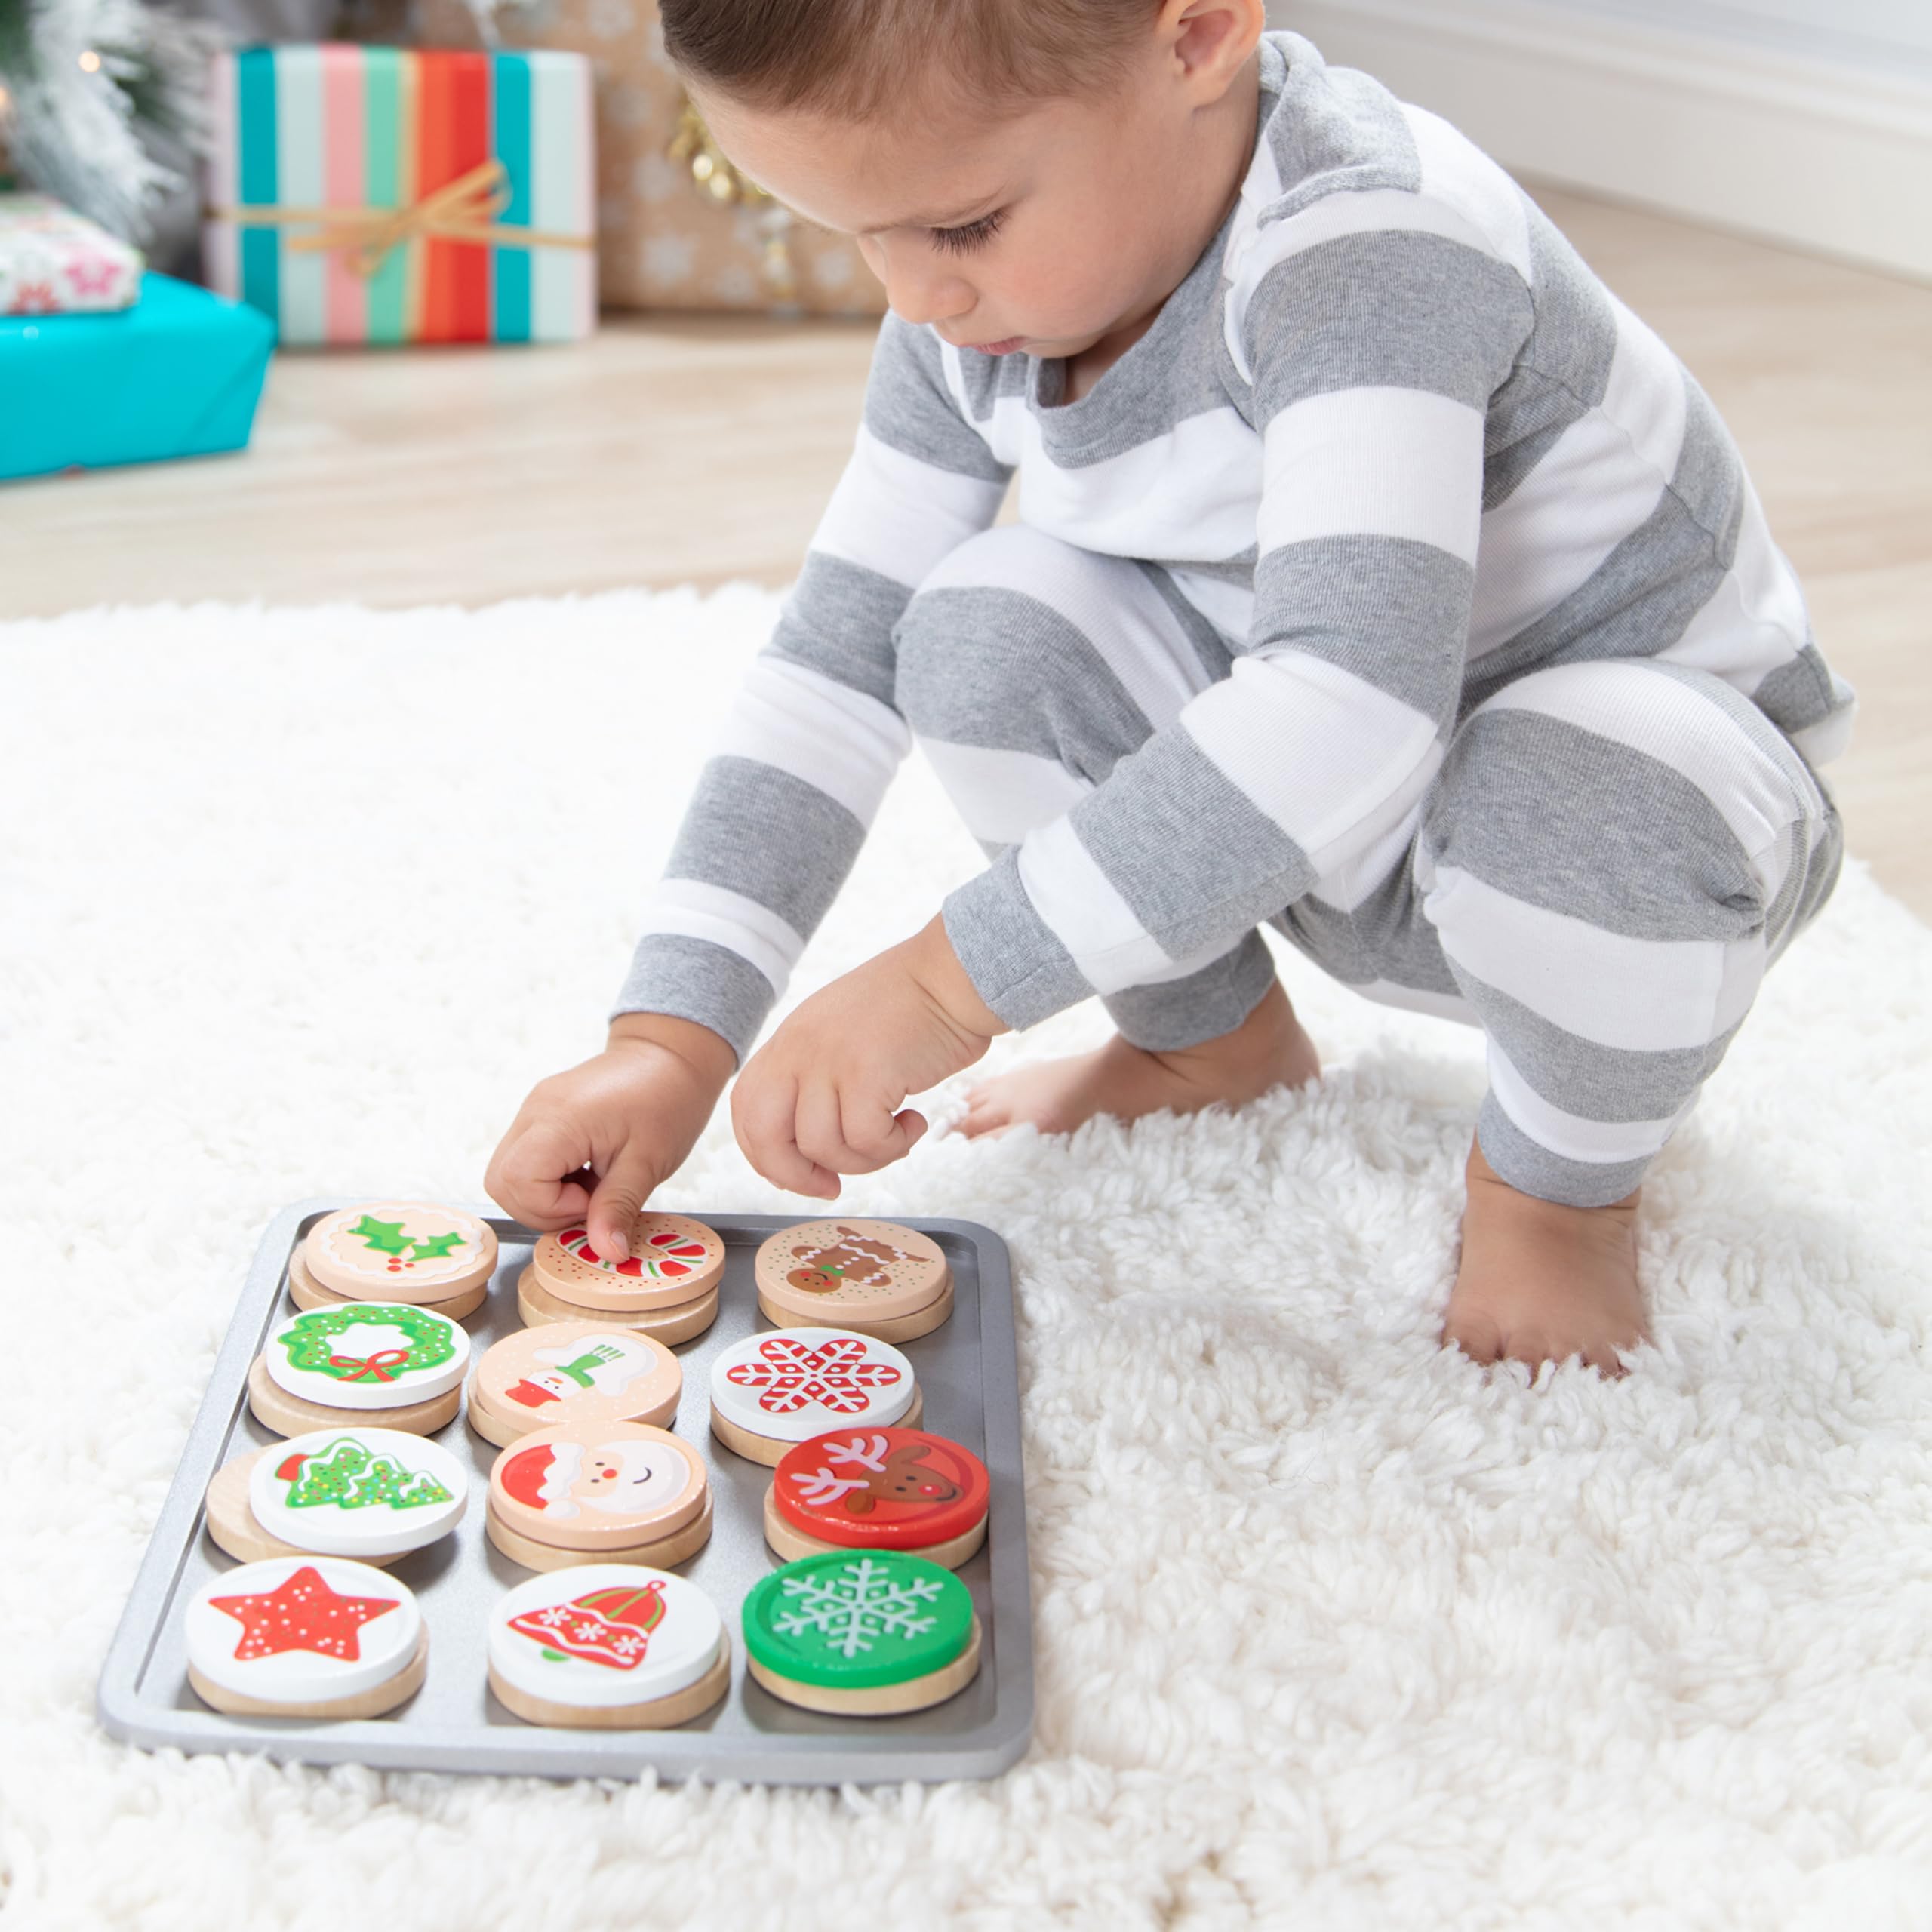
(464, 210)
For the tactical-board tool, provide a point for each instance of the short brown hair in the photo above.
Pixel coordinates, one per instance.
(847, 59)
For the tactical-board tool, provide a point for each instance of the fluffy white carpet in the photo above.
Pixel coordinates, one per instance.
(1333, 1629)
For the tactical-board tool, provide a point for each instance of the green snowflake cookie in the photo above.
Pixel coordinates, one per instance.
(853, 1621)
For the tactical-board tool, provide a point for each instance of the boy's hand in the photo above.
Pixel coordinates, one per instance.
(589, 1145)
(825, 1095)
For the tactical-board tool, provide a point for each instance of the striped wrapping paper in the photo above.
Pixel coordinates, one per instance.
(344, 127)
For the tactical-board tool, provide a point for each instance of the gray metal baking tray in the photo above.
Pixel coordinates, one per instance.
(968, 1371)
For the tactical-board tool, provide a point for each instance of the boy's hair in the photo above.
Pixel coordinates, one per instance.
(847, 58)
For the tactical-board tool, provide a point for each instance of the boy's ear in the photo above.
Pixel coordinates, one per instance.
(1209, 40)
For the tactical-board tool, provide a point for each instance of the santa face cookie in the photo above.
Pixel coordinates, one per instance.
(874, 1276)
(771, 1390)
(368, 1355)
(400, 1250)
(361, 1492)
(617, 1488)
(673, 1259)
(607, 1644)
(583, 1374)
(870, 1632)
(879, 1488)
(304, 1634)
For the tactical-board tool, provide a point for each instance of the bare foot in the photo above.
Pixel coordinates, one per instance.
(1540, 1282)
(1267, 1049)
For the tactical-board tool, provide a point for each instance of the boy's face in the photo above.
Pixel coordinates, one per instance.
(1046, 231)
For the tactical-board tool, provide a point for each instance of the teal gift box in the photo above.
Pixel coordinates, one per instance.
(177, 374)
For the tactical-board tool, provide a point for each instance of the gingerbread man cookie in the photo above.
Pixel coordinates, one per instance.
(873, 1276)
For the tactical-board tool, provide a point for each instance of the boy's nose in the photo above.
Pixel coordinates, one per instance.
(919, 292)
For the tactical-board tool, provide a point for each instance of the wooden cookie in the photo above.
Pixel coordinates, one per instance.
(772, 1390)
(868, 1634)
(373, 1494)
(607, 1647)
(585, 1374)
(367, 1355)
(537, 1306)
(666, 1554)
(400, 1250)
(673, 1260)
(305, 1291)
(305, 1636)
(878, 1489)
(615, 1486)
(275, 1408)
(875, 1277)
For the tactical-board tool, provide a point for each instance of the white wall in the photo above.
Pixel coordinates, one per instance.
(1808, 122)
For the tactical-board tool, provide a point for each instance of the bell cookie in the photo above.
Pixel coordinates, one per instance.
(842, 1272)
(878, 1489)
(864, 1633)
(314, 1636)
(538, 1306)
(400, 1250)
(616, 1486)
(582, 1374)
(785, 1386)
(368, 1355)
(608, 1647)
(673, 1259)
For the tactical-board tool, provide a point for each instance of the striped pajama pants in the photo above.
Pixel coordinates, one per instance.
(1612, 851)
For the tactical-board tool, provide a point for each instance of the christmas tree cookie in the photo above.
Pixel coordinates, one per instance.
(371, 1493)
(305, 1636)
(585, 1374)
(622, 1493)
(869, 1634)
(395, 1251)
(872, 1276)
(878, 1489)
(608, 1647)
(667, 1286)
(325, 1367)
(774, 1389)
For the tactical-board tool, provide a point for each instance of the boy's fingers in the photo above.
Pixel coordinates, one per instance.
(879, 1138)
(764, 1116)
(616, 1201)
(532, 1174)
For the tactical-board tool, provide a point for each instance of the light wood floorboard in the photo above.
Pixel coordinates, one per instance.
(674, 450)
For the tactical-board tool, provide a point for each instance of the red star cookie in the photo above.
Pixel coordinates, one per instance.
(302, 1614)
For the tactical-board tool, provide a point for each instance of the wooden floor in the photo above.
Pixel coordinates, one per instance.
(674, 450)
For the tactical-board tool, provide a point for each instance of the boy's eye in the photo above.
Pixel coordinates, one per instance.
(970, 235)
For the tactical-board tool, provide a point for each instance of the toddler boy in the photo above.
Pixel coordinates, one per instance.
(1378, 576)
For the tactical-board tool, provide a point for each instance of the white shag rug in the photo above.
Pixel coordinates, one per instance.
(1333, 1629)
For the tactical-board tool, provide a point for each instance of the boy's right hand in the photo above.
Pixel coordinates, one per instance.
(589, 1145)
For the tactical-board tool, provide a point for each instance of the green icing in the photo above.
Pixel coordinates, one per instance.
(346, 1476)
(853, 1620)
(310, 1341)
(435, 1248)
(387, 1237)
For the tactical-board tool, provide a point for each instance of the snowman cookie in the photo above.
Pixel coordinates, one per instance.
(395, 1251)
(327, 1366)
(608, 1647)
(872, 1276)
(305, 1636)
(861, 1633)
(373, 1494)
(585, 1374)
(774, 1389)
(674, 1263)
(878, 1489)
(622, 1493)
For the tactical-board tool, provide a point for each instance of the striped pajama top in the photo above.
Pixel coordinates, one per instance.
(1391, 437)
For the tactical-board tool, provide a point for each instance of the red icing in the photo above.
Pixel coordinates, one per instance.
(302, 1614)
(872, 1488)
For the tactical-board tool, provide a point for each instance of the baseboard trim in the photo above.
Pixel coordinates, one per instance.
(1835, 160)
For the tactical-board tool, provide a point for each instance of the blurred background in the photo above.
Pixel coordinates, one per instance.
(1754, 177)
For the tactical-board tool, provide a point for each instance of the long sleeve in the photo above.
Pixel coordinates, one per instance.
(1372, 328)
(782, 808)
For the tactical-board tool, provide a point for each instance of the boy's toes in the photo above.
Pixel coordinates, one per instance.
(1477, 1335)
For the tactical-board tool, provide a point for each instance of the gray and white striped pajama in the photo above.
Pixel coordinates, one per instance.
(1398, 587)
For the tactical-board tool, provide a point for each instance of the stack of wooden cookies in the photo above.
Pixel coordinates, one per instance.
(666, 1287)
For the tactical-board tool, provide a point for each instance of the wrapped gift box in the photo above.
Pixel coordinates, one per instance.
(667, 239)
(375, 194)
(55, 262)
(177, 374)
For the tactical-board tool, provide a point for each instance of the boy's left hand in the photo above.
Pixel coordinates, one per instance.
(826, 1094)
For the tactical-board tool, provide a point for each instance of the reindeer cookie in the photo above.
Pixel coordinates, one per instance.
(622, 1493)
(608, 1647)
(674, 1261)
(878, 1489)
(395, 1251)
(585, 1374)
(305, 1636)
(774, 1389)
(329, 1366)
(873, 1276)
